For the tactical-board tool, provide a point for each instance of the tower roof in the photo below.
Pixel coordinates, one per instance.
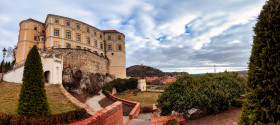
(35, 20)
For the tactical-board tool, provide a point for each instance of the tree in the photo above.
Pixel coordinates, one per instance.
(263, 85)
(1, 66)
(33, 100)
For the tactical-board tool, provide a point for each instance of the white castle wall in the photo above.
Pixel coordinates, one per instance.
(52, 64)
(14, 76)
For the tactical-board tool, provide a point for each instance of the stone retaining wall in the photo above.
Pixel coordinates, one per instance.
(134, 112)
(110, 115)
(84, 60)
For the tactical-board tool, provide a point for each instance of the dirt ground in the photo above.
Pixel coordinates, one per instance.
(229, 117)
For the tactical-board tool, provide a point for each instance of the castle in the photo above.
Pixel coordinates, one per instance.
(59, 32)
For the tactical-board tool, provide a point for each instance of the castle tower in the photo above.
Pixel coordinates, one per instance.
(115, 51)
(31, 33)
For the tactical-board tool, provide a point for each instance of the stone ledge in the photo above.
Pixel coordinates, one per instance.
(104, 116)
(163, 119)
(75, 101)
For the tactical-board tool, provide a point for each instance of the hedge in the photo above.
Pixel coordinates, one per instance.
(120, 85)
(211, 93)
(64, 118)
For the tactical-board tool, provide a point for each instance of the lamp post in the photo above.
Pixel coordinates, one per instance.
(4, 54)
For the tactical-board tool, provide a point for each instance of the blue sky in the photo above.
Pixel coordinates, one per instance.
(172, 35)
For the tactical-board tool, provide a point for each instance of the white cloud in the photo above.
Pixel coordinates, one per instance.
(143, 22)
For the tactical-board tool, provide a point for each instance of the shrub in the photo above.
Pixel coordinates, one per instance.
(33, 99)
(172, 122)
(135, 92)
(64, 118)
(213, 93)
(120, 85)
(146, 109)
(263, 83)
(239, 102)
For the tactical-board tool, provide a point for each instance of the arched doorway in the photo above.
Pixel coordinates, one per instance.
(47, 76)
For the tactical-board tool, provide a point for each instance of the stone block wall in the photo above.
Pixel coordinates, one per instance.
(84, 60)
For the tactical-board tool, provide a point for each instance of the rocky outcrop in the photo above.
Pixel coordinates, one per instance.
(79, 82)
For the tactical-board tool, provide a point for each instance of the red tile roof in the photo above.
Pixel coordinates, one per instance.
(110, 31)
(35, 20)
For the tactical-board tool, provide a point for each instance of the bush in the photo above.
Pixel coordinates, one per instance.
(135, 92)
(146, 109)
(213, 93)
(64, 118)
(239, 102)
(33, 99)
(172, 122)
(120, 85)
(263, 106)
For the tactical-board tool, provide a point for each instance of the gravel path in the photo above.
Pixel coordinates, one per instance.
(93, 102)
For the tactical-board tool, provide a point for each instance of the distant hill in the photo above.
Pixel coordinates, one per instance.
(143, 71)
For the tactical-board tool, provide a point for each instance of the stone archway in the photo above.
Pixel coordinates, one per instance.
(47, 76)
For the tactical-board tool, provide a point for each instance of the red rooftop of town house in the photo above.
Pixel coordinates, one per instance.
(110, 31)
(35, 20)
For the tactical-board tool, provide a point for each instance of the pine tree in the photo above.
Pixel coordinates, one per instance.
(263, 93)
(1, 66)
(33, 100)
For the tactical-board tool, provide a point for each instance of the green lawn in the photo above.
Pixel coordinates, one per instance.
(145, 98)
(9, 95)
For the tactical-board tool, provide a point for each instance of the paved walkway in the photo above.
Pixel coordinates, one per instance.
(93, 102)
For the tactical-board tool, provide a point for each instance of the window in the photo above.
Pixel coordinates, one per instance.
(101, 46)
(56, 20)
(42, 39)
(109, 37)
(85, 48)
(95, 43)
(78, 37)
(101, 54)
(88, 40)
(68, 45)
(68, 34)
(95, 33)
(56, 32)
(109, 47)
(88, 30)
(100, 36)
(119, 37)
(35, 37)
(112, 54)
(120, 47)
(35, 27)
(56, 43)
(43, 31)
(78, 47)
(78, 26)
(68, 23)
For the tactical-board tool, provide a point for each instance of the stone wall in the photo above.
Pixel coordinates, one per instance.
(84, 60)
(110, 115)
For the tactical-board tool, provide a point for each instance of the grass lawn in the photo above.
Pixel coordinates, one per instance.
(145, 98)
(9, 95)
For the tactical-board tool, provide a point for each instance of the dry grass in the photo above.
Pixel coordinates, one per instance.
(9, 95)
(145, 98)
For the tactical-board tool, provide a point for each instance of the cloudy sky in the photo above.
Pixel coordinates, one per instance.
(172, 35)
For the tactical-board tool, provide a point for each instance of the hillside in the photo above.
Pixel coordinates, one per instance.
(143, 71)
